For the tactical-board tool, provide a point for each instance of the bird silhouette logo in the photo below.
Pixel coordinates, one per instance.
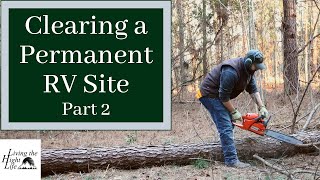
(27, 163)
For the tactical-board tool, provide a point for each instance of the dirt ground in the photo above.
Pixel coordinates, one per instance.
(215, 171)
(190, 124)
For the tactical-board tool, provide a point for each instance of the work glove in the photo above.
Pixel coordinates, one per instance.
(263, 111)
(236, 115)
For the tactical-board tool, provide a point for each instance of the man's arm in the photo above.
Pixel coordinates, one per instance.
(257, 99)
(253, 91)
(228, 79)
(255, 95)
(228, 105)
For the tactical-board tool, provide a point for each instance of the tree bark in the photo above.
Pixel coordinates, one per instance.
(245, 41)
(204, 36)
(87, 159)
(222, 16)
(180, 12)
(291, 74)
(252, 32)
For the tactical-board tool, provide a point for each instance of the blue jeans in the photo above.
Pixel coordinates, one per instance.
(222, 119)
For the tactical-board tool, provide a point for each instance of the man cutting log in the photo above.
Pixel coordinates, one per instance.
(224, 82)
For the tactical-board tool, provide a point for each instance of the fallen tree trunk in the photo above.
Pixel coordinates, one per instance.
(86, 159)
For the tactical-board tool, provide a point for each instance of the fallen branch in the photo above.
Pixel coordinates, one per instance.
(285, 171)
(310, 117)
(308, 145)
(278, 169)
(306, 171)
(315, 174)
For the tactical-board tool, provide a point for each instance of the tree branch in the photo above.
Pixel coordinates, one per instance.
(272, 166)
(304, 93)
(300, 50)
(314, 29)
(310, 117)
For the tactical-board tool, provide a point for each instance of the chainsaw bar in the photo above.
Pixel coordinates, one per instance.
(282, 137)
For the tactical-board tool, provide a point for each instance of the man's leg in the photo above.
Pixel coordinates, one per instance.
(225, 128)
(222, 119)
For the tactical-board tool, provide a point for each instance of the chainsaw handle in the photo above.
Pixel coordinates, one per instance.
(260, 117)
(265, 123)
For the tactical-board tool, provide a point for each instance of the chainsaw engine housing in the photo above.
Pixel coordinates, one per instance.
(253, 123)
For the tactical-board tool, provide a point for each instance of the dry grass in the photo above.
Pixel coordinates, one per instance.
(190, 124)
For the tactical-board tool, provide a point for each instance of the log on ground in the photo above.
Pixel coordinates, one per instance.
(86, 159)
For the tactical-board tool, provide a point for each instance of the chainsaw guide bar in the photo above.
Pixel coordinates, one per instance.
(257, 124)
(282, 137)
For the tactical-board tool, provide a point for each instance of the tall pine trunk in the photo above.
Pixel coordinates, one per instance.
(252, 33)
(181, 47)
(204, 34)
(291, 74)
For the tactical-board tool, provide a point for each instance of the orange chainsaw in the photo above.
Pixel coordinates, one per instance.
(257, 124)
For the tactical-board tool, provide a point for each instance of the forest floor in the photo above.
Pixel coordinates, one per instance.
(190, 124)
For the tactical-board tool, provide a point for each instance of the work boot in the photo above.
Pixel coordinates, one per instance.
(239, 164)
